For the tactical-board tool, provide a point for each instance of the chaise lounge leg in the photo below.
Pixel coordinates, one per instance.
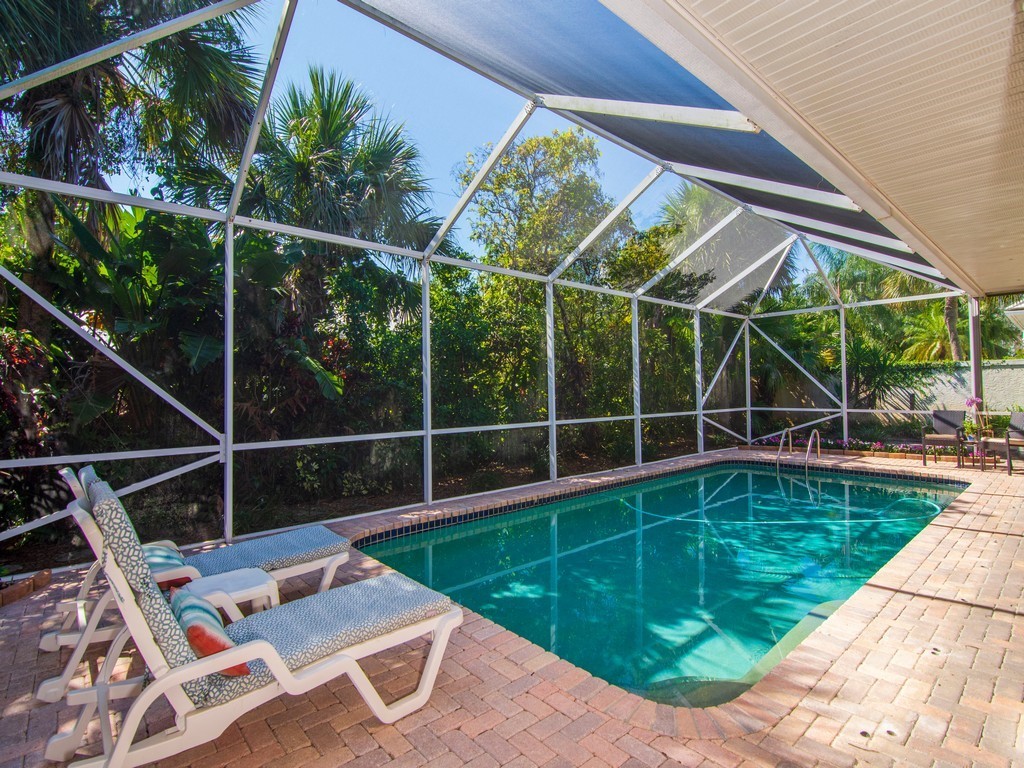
(74, 613)
(330, 570)
(390, 713)
(53, 689)
(198, 728)
(61, 747)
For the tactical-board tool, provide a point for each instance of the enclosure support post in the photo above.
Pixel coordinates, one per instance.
(228, 440)
(746, 360)
(974, 339)
(842, 374)
(699, 381)
(638, 457)
(549, 338)
(428, 446)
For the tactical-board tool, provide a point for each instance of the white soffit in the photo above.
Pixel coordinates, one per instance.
(915, 109)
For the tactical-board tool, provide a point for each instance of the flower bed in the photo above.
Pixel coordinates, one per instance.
(856, 447)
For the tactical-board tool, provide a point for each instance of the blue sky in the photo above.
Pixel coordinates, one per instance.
(447, 109)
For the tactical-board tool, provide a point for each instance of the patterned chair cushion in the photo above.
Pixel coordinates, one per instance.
(160, 558)
(221, 689)
(120, 536)
(270, 553)
(122, 541)
(307, 630)
(312, 628)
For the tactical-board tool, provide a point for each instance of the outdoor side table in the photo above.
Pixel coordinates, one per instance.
(227, 590)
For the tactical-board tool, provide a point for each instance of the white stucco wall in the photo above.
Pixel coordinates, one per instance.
(1003, 381)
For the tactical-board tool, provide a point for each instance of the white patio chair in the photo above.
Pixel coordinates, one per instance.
(292, 649)
(281, 555)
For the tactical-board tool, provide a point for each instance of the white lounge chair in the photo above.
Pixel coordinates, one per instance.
(282, 556)
(292, 649)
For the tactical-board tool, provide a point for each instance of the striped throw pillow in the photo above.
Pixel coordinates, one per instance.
(204, 628)
(159, 559)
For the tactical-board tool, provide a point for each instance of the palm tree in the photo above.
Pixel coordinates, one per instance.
(327, 161)
(865, 279)
(191, 94)
(896, 284)
(928, 337)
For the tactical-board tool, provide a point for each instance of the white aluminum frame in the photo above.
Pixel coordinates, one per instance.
(924, 271)
(9, 179)
(725, 361)
(428, 444)
(752, 267)
(835, 229)
(273, 65)
(497, 152)
(634, 327)
(697, 244)
(806, 194)
(108, 351)
(608, 220)
(720, 119)
(799, 367)
(549, 350)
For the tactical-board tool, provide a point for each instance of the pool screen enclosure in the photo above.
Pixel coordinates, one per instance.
(581, 62)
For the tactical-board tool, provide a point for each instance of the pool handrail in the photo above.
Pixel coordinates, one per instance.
(811, 442)
(786, 433)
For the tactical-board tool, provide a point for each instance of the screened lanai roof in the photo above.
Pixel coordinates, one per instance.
(570, 53)
(693, 87)
(915, 109)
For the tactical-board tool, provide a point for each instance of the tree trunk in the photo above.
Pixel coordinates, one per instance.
(951, 315)
(38, 225)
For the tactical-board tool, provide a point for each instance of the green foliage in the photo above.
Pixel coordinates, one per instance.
(543, 197)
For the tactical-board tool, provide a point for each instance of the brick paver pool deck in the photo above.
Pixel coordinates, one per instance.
(923, 666)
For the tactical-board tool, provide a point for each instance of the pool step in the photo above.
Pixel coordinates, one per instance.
(698, 693)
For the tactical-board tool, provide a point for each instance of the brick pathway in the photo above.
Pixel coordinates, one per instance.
(924, 666)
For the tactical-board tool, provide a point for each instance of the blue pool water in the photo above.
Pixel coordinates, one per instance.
(684, 590)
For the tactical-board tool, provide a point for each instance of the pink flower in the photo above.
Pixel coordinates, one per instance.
(973, 402)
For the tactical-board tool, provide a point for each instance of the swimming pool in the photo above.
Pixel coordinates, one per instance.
(686, 589)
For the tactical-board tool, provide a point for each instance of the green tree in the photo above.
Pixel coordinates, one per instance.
(541, 200)
(190, 94)
(328, 161)
(928, 337)
(1000, 338)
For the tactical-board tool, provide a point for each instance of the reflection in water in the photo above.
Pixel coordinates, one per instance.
(683, 589)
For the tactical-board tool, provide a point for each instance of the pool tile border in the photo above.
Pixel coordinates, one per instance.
(438, 516)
